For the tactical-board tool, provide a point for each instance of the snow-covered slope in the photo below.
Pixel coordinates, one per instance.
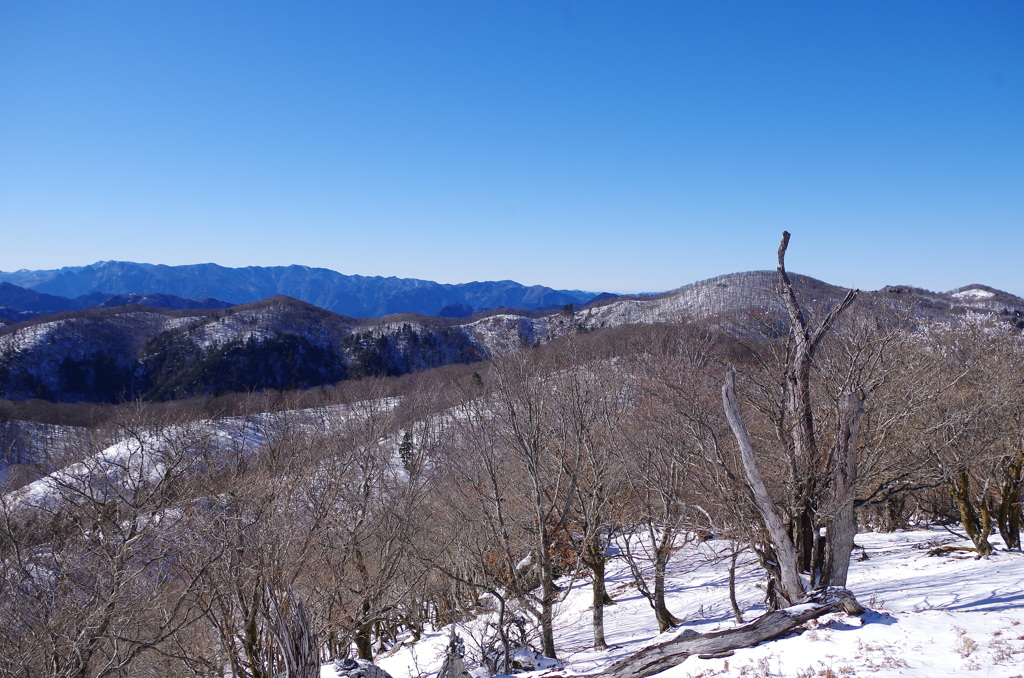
(929, 616)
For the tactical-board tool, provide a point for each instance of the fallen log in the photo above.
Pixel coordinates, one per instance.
(657, 658)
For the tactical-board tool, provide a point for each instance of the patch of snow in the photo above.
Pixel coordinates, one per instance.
(973, 294)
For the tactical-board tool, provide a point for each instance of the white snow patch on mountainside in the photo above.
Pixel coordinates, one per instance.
(126, 465)
(68, 333)
(974, 294)
(505, 333)
(25, 338)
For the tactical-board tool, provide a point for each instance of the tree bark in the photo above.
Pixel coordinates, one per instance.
(842, 523)
(548, 592)
(662, 553)
(362, 637)
(976, 520)
(1008, 516)
(596, 564)
(736, 611)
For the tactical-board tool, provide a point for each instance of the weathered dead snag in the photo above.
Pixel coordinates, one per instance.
(821, 486)
(657, 658)
(291, 629)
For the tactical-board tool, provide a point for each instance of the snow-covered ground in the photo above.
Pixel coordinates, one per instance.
(929, 616)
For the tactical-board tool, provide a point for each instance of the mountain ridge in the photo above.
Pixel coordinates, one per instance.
(22, 303)
(352, 295)
(109, 354)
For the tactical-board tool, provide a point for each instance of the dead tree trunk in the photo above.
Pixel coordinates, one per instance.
(821, 494)
(791, 586)
(291, 629)
(799, 417)
(657, 658)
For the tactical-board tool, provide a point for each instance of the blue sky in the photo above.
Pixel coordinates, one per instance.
(623, 146)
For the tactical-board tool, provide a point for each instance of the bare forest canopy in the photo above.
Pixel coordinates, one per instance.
(261, 533)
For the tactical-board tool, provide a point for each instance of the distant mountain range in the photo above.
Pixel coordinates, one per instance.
(20, 303)
(126, 352)
(352, 295)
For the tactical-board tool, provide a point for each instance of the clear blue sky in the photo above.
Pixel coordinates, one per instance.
(623, 146)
